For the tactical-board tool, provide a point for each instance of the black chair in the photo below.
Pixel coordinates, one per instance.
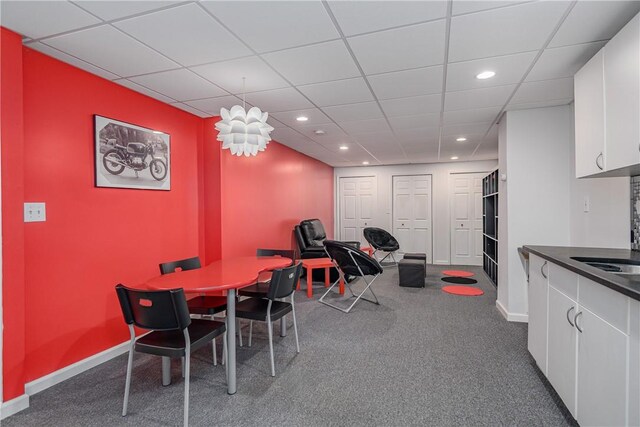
(202, 305)
(283, 284)
(174, 333)
(381, 240)
(351, 261)
(260, 289)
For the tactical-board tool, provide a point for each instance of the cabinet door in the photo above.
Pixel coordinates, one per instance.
(537, 335)
(561, 363)
(622, 96)
(589, 113)
(602, 372)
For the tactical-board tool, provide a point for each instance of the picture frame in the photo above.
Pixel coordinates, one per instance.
(131, 156)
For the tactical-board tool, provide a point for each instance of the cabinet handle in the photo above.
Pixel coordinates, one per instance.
(600, 156)
(575, 320)
(542, 270)
(569, 318)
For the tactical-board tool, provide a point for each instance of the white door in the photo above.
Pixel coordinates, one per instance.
(538, 290)
(412, 213)
(602, 372)
(466, 218)
(358, 202)
(561, 362)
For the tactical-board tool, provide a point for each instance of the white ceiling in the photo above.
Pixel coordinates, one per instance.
(392, 80)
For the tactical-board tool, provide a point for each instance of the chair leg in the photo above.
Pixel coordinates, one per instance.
(295, 326)
(127, 386)
(250, 331)
(182, 365)
(187, 368)
(270, 328)
(215, 354)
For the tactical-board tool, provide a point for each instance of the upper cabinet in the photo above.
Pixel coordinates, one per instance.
(607, 108)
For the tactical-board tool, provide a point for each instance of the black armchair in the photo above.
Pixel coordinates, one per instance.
(381, 240)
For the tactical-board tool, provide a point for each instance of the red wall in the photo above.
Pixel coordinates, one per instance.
(263, 197)
(59, 276)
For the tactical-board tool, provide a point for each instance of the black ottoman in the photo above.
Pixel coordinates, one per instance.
(422, 257)
(411, 273)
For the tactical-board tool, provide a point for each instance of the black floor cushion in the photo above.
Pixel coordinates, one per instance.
(459, 280)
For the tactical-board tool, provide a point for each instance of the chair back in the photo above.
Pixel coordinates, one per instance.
(313, 232)
(285, 253)
(284, 281)
(183, 264)
(156, 310)
(377, 237)
(351, 260)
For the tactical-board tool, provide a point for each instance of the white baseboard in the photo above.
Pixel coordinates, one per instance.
(14, 406)
(72, 370)
(512, 317)
(441, 262)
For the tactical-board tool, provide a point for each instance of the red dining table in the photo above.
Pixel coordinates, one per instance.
(223, 275)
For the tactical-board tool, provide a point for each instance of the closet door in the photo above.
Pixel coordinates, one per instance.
(466, 218)
(358, 204)
(412, 213)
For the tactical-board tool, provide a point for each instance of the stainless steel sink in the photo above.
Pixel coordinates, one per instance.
(612, 265)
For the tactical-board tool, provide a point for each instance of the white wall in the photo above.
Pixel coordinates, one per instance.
(439, 172)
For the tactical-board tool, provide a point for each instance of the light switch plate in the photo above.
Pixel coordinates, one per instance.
(35, 212)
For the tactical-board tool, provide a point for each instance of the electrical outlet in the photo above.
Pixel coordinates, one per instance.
(35, 212)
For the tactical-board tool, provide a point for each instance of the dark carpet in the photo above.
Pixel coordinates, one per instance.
(422, 357)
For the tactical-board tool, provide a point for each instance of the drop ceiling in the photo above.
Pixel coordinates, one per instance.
(392, 80)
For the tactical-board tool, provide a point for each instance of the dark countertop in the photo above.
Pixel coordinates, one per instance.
(561, 255)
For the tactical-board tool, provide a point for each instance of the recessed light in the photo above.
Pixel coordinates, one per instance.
(365, 163)
(461, 139)
(302, 118)
(485, 75)
(319, 132)
(454, 157)
(344, 147)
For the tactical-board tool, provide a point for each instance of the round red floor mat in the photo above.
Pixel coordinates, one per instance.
(458, 273)
(468, 291)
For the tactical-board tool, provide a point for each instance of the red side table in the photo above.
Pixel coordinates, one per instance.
(313, 263)
(367, 249)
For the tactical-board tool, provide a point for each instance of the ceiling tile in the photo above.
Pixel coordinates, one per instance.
(478, 98)
(412, 122)
(141, 89)
(213, 105)
(419, 135)
(331, 133)
(420, 81)
(338, 92)
(37, 19)
(544, 91)
(273, 101)
(411, 106)
(48, 50)
(194, 38)
(355, 17)
(108, 48)
(182, 85)
(416, 46)
(521, 28)
(316, 63)
(476, 115)
(274, 25)
(563, 61)
(109, 10)
(539, 104)
(466, 129)
(594, 20)
(365, 126)
(386, 139)
(468, 6)
(190, 109)
(352, 112)
(229, 75)
(509, 69)
(314, 116)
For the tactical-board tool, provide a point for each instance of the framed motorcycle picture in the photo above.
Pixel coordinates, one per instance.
(131, 156)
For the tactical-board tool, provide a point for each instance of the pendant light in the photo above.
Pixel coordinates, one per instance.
(243, 132)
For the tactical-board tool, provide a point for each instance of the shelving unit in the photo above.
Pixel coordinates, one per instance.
(490, 225)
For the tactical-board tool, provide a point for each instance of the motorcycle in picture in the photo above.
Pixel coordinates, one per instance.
(134, 156)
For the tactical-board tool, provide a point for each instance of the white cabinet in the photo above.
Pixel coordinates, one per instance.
(561, 368)
(622, 96)
(589, 117)
(607, 108)
(602, 372)
(538, 288)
